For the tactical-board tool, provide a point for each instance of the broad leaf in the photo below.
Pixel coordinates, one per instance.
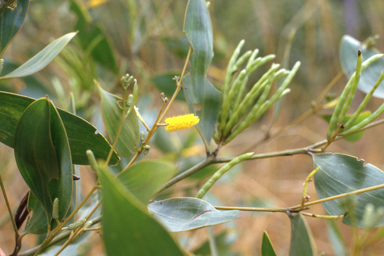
(301, 238)
(340, 174)
(361, 117)
(129, 141)
(266, 246)
(147, 177)
(348, 56)
(11, 22)
(42, 59)
(127, 227)
(203, 99)
(81, 134)
(181, 214)
(43, 156)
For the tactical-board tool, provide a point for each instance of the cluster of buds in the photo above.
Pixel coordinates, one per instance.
(239, 111)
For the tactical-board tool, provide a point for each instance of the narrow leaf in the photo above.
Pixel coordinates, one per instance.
(348, 49)
(11, 22)
(181, 214)
(356, 136)
(147, 177)
(129, 140)
(340, 174)
(336, 239)
(203, 99)
(81, 134)
(301, 238)
(42, 59)
(266, 246)
(127, 227)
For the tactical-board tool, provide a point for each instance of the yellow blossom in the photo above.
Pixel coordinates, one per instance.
(181, 122)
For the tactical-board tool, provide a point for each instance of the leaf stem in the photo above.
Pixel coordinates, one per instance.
(58, 228)
(359, 191)
(9, 208)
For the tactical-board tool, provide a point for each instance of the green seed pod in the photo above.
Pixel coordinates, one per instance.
(220, 173)
(55, 211)
(252, 58)
(77, 224)
(92, 160)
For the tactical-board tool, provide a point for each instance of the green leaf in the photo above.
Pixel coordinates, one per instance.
(181, 214)
(42, 59)
(301, 238)
(93, 38)
(127, 227)
(203, 99)
(336, 239)
(361, 117)
(166, 83)
(178, 46)
(348, 56)
(43, 156)
(266, 246)
(11, 22)
(37, 224)
(129, 140)
(340, 174)
(147, 177)
(223, 241)
(81, 134)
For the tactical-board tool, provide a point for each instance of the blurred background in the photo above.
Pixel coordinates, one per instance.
(145, 39)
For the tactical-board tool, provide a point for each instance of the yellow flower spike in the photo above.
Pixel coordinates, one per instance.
(181, 122)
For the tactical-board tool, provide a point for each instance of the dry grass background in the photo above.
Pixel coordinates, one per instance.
(317, 26)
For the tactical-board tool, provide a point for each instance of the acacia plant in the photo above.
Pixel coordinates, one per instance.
(137, 216)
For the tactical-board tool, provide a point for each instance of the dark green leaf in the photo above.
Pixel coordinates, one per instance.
(166, 83)
(361, 117)
(340, 174)
(204, 100)
(11, 22)
(42, 59)
(266, 246)
(43, 156)
(181, 214)
(81, 134)
(147, 177)
(178, 46)
(348, 56)
(301, 238)
(129, 140)
(93, 39)
(127, 227)
(223, 241)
